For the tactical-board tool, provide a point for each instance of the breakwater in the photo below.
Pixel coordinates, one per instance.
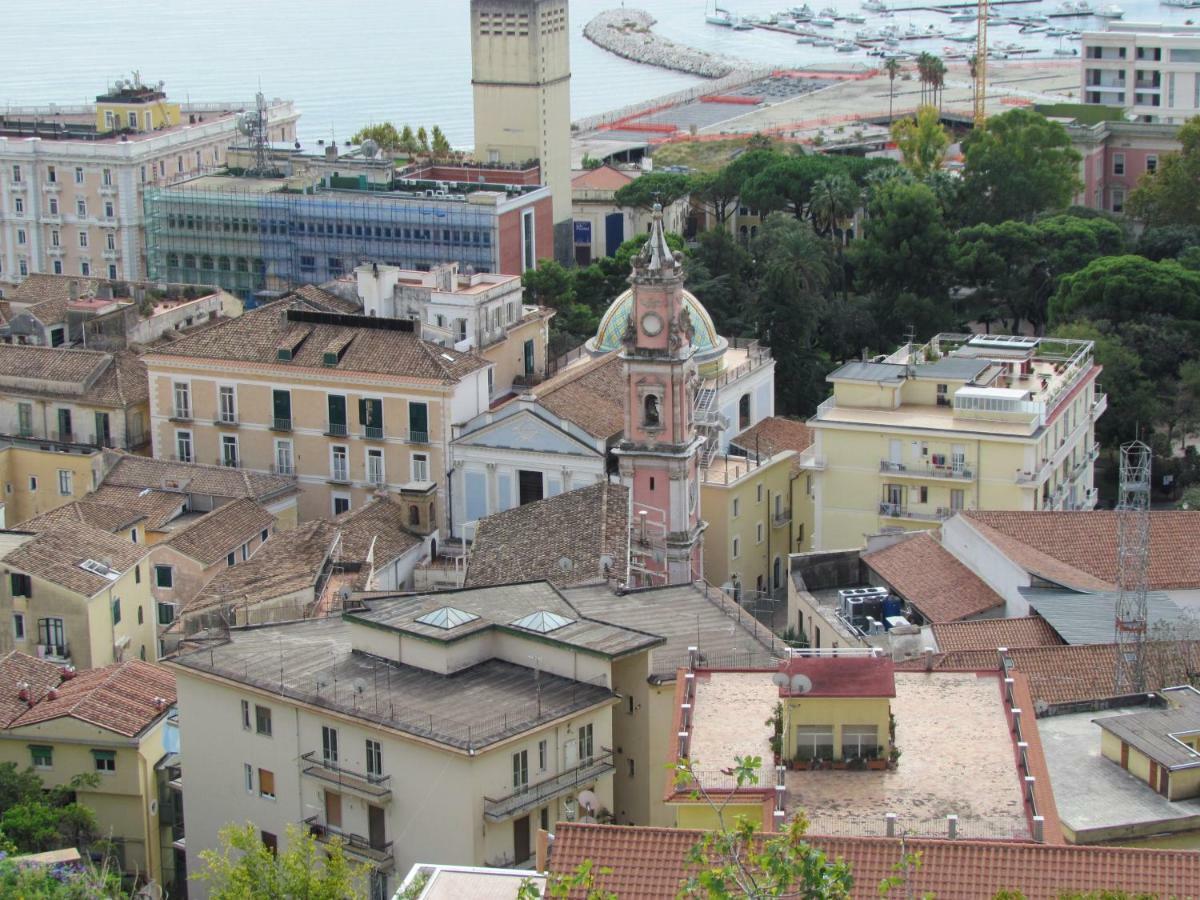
(628, 34)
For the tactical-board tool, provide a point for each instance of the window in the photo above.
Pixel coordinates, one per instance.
(266, 784)
(52, 635)
(528, 244)
(19, 206)
(105, 760)
(21, 237)
(262, 720)
(420, 467)
(1118, 200)
(758, 533)
(329, 745)
(737, 547)
(587, 748)
(375, 466)
(814, 742)
(859, 740)
(33, 484)
(231, 559)
(246, 715)
(1118, 163)
(116, 610)
(55, 238)
(79, 175)
(374, 759)
(51, 175)
(54, 209)
(631, 771)
(57, 266)
(248, 774)
(1151, 164)
(227, 404)
(370, 414)
(85, 268)
(183, 446)
(164, 577)
(166, 615)
(183, 400)
(737, 506)
(22, 265)
(270, 841)
(262, 538)
(650, 415)
(543, 752)
(42, 756)
(339, 467)
(520, 770)
(229, 450)
(341, 504)
(283, 457)
(418, 422)
(141, 617)
(65, 485)
(19, 626)
(924, 494)
(16, 173)
(109, 211)
(744, 412)
(336, 404)
(81, 208)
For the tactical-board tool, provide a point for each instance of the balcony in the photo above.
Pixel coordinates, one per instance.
(952, 472)
(899, 511)
(229, 462)
(781, 517)
(54, 652)
(534, 795)
(226, 420)
(53, 187)
(418, 437)
(374, 787)
(809, 460)
(64, 437)
(376, 479)
(286, 469)
(335, 429)
(111, 254)
(181, 414)
(355, 844)
(373, 432)
(1099, 405)
(281, 424)
(108, 190)
(340, 475)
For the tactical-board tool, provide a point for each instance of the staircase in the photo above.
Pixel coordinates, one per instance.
(708, 423)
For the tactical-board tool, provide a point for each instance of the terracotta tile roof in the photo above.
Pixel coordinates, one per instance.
(843, 676)
(257, 336)
(1085, 543)
(591, 395)
(55, 556)
(988, 634)
(327, 300)
(128, 470)
(773, 434)
(289, 561)
(930, 578)
(20, 668)
(651, 863)
(381, 521)
(119, 698)
(159, 507)
(47, 296)
(106, 516)
(602, 178)
(529, 542)
(1074, 673)
(6, 312)
(104, 379)
(218, 533)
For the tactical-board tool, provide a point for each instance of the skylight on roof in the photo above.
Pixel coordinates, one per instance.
(99, 568)
(543, 621)
(447, 617)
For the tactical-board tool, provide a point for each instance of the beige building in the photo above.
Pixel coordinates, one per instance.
(443, 727)
(521, 73)
(965, 422)
(73, 396)
(348, 405)
(77, 589)
(72, 178)
(600, 226)
(1151, 69)
(112, 722)
(39, 477)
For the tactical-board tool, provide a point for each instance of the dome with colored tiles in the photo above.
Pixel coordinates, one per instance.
(612, 326)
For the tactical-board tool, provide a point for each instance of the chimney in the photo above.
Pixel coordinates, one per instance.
(928, 659)
(542, 850)
(73, 291)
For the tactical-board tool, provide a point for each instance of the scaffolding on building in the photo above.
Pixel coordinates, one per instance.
(1133, 566)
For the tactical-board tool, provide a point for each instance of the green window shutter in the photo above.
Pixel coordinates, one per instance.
(363, 416)
(418, 422)
(42, 755)
(104, 755)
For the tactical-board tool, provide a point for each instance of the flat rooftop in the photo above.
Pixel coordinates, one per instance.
(313, 662)
(1097, 800)
(728, 715)
(957, 758)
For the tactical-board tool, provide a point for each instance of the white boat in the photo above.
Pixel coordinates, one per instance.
(801, 13)
(846, 47)
(1074, 8)
(1185, 4)
(963, 17)
(1057, 32)
(823, 22)
(824, 42)
(1075, 36)
(1065, 51)
(1110, 11)
(874, 5)
(854, 18)
(720, 17)
(962, 38)
(867, 34)
(828, 13)
(897, 54)
(740, 24)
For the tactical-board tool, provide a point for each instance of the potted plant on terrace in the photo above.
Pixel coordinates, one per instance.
(775, 723)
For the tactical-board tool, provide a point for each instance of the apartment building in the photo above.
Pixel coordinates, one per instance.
(964, 422)
(112, 722)
(600, 225)
(73, 396)
(1116, 154)
(443, 727)
(1151, 69)
(72, 179)
(348, 405)
(773, 435)
(39, 476)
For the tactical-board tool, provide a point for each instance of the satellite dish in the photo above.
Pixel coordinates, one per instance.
(587, 799)
(606, 562)
(801, 684)
(780, 679)
(565, 564)
(245, 123)
(370, 149)
(322, 682)
(360, 685)
(344, 593)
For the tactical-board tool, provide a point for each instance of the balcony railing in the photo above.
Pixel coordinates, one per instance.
(378, 787)
(340, 474)
(373, 432)
(810, 460)
(229, 462)
(900, 511)
(226, 418)
(418, 437)
(781, 517)
(952, 471)
(55, 652)
(182, 414)
(533, 795)
(288, 469)
(379, 853)
(281, 424)
(336, 429)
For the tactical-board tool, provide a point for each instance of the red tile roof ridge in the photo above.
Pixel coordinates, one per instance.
(1034, 560)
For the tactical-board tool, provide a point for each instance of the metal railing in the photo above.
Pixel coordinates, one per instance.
(351, 842)
(900, 511)
(373, 432)
(529, 796)
(279, 468)
(226, 419)
(319, 767)
(418, 437)
(229, 462)
(182, 413)
(280, 424)
(340, 474)
(953, 471)
(336, 429)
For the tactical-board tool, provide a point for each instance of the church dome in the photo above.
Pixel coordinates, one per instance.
(705, 340)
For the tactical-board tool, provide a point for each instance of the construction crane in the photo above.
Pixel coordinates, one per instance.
(981, 55)
(1133, 567)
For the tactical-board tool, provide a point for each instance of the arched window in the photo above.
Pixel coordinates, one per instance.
(414, 515)
(744, 412)
(651, 410)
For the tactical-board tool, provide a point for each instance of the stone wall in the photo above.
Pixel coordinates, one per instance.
(626, 32)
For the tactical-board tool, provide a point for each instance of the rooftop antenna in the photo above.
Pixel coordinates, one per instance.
(1133, 566)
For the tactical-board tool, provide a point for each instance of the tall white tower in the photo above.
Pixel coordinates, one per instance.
(521, 74)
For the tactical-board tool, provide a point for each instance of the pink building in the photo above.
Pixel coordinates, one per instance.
(1115, 156)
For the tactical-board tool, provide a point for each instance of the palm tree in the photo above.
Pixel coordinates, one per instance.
(973, 69)
(834, 200)
(892, 67)
(924, 72)
(937, 79)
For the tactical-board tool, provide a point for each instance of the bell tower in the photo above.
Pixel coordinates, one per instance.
(659, 454)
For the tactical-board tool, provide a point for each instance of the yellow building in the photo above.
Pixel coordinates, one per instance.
(747, 503)
(112, 722)
(77, 593)
(963, 422)
(1160, 746)
(135, 107)
(38, 478)
(347, 405)
(772, 435)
